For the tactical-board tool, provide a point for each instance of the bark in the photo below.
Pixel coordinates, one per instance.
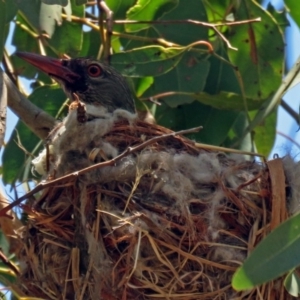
(35, 118)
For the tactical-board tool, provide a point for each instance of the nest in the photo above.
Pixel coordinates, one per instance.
(167, 221)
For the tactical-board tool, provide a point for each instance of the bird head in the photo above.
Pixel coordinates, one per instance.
(92, 81)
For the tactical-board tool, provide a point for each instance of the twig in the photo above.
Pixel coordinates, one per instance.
(224, 149)
(102, 6)
(290, 111)
(20, 145)
(288, 138)
(158, 41)
(100, 29)
(8, 68)
(188, 21)
(74, 175)
(8, 263)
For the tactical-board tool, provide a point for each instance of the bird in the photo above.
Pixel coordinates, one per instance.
(94, 83)
(101, 99)
(100, 96)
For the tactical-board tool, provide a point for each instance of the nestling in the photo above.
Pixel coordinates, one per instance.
(100, 97)
(94, 82)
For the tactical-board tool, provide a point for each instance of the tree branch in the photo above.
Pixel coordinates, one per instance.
(35, 118)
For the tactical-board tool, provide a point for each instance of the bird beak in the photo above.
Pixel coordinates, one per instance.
(51, 66)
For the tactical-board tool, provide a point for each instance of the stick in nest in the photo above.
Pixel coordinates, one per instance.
(74, 175)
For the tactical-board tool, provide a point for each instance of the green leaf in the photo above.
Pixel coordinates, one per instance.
(294, 10)
(223, 100)
(90, 44)
(221, 77)
(279, 16)
(58, 2)
(120, 9)
(268, 106)
(233, 138)
(197, 114)
(184, 33)
(147, 61)
(184, 82)
(68, 38)
(142, 85)
(2, 27)
(7, 276)
(30, 10)
(260, 51)
(4, 243)
(16, 163)
(24, 41)
(292, 284)
(11, 9)
(217, 10)
(275, 255)
(147, 10)
(265, 133)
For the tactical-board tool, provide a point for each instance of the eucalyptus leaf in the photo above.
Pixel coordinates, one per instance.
(294, 10)
(216, 123)
(30, 11)
(260, 53)
(68, 38)
(147, 61)
(281, 245)
(292, 283)
(147, 10)
(182, 84)
(265, 133)
(184, 33)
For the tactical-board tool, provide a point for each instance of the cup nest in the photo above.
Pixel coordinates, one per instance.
(167, 221)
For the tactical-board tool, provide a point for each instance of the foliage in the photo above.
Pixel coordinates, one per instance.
(168, 60)
(280, 245)
(231, 90)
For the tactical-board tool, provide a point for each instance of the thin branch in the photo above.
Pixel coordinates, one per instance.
(288, 138)
(100, 29)
(109, 26)
(194, 22)
(8, 263)
(8, 68)
(187, 21)
(290, 111)
(158, 41)
(219, 33)
(162, 41)
(74, 175)
(227, 150)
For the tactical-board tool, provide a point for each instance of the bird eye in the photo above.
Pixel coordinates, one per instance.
(94, 70)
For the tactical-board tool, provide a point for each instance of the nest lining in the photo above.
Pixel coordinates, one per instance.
(170, 221)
